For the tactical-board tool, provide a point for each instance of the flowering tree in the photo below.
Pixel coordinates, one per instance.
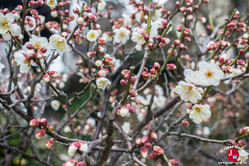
(148, 89)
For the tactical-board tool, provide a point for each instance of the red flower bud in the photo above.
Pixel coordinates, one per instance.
(40, 134)
(50, 144)
(34, 123)
(43, 122)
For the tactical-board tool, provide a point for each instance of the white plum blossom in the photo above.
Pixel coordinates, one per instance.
(59, 43)
(211, 74)
(124, 111)
(127, 19)
(187, 92)
(6, 22)
(137, 36)
(83, 147)
(126, 127)
(51, 3)
(208, 74)
(15, 30)
(72, 149)
(243, 155)
(102, 83)
(55, 104)
(121, 35)
(38, 43)
(23, 60)
(92, 35)
(101, 5)
(199, 113)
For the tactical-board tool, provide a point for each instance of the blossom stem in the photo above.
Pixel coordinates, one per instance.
(224, 31)
(241, 137)
(237, 57)
(204, 94)
(128, 84)
(170, 54)
(167, 160)
(149, 23)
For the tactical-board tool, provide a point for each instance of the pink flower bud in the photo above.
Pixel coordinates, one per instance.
(153, 136)
(138, 141)
(174, 162)
(98, 63)
(30, 46)
(241, 51)
(171, 66)
(148, 145)
(72, 162)
(153, 155)
(43, 122)
(123, 82)
(242, 143)
(43, 50)
(232, 142)
(158, 37)
(91, 54)
(241, 62)
(101, 49)
(145, 139)
(39, 55)
(101, 41)
(50, 144)
(144, 152)
(72, 149)
(133, 93)
(230, 61)
(46, 77)
(145, 75)
(165, 40)
(76, 10)
(133, 79)
(229, 69)
(81, 163)
(244, 130)
(83, 147)
(40, 134)
(223, 59)
(158, 150)
(127, 76)
(185, 123)
(131, 109)
(31, 4)
(151, 46)
(80, 20)
(165, 23)
(187, 32)
(53, 74)
(34, 123)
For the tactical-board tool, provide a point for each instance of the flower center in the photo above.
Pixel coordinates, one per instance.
(209, 74)
(197, 109)
(52, 2)
(189, 87)
(122, 34)
(60, 44)
(37, 46)
(92, 35)
(5, 24)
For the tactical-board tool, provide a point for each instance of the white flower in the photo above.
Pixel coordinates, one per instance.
(92, 35)
(199, 113)
(51, 3)
(102, 83)
(121, 35)
(101, 5)
(5, 22)
(83, 146)
(31, 23)
(243, 156)
(124, 111)
(38, 43)
(211, 74)
(23, 60)
(72, 149)
(192, 76)
(59, 43)
(126, 127)
(55, 104)
(15, 30)
(137, 37)
(127, 19)
(187, 92)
